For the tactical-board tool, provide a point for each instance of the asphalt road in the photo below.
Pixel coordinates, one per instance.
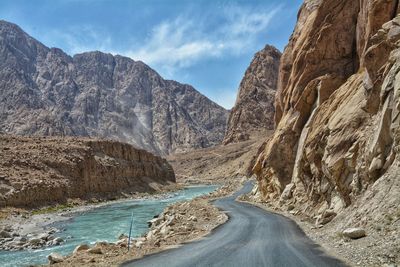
(251, 237)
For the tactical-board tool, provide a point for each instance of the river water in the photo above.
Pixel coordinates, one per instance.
(104, 223)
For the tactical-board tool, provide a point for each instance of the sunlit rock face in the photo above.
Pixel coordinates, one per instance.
(253, 112)
(337, 107)
(44, 91)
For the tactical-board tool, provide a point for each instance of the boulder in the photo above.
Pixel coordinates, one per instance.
(57, 240)
(55, 258)
(82, 247)
(95, 250)
(288, 191)
(354, 233)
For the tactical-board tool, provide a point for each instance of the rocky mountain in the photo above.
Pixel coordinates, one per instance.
(35, 171)
(44, 91)
(335, 151)
(254, 108)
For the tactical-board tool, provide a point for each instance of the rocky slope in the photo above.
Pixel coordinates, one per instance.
(218, 164)
(39, 171)
(254, 108)
(44, 91)
(335, 148)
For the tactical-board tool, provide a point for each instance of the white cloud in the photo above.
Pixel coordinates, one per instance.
(174, 44)
(178, 43)
(184, 41)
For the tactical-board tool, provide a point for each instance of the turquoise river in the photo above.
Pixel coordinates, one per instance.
(104, 223)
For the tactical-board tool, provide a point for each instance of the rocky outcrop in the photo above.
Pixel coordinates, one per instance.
(44, 91)
(337, 108)
(254, 108)
(39, 171)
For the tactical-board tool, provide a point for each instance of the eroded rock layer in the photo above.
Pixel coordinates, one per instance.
(254, 108)
(39, 171)
(337, 107)
(44, 91)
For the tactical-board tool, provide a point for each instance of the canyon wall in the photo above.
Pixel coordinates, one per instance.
(337, 110)
(44, 91)
(253, 112)
(36, 171)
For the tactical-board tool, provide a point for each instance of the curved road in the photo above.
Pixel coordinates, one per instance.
(251, 237)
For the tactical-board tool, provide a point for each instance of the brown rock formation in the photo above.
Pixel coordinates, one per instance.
(44, 91)
(254, 107)
(38, 171)
(336, 107)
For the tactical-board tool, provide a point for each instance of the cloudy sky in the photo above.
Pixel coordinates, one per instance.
(205, 43)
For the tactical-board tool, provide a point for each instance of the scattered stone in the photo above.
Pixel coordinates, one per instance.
(139, 244)
(154, 221)
(82, 247)
(55, 258)
(35, 241)
(288, 191)
(290, 207)
(325, 217)
(122, 242)
(193, 218)
(43, 236)
(354, 233)
(95, 250)
(122, 236)
(21, 239)
(57, 240)
(8, 228)
(5, 234)
(102, 243)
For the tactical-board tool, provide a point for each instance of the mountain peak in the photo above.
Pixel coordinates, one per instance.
(254, 108)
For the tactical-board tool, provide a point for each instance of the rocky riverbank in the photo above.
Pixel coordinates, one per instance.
(33, 229)
(177, 224)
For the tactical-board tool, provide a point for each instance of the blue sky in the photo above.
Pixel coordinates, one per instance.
(205, 43)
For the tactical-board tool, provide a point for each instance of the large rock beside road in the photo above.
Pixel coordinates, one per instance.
(354, 233)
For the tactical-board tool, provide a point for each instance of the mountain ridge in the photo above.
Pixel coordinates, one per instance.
(100, 95)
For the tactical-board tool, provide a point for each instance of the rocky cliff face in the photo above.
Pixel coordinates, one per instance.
(337, 112)
(254, 108)
(38, 171)
(44, 91)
